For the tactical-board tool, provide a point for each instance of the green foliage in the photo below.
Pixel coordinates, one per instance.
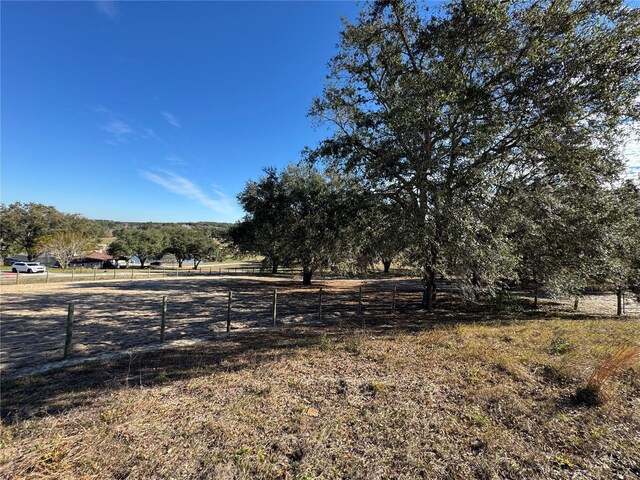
(144, 243)
(32, 227)
(301, 216)
(263, 230)
(462, 120)
(560, 346)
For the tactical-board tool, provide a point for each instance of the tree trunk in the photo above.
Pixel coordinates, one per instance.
(475, 279)
(196, 263)
(142, 260)
(179, 263)
(306, 276)
(274, 267)
(619, 295)
(387, 265)
(429, 293)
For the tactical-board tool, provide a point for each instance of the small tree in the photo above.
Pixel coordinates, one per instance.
(313, 224)
(619, 259)
(144, 243)
(178, 242)
(263, 229)
(65, 246)
(203, 247)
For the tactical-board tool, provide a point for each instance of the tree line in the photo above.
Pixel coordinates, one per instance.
(37, 229)
(184, 242)
(481, 143)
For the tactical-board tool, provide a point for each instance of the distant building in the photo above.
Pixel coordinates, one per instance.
(99, 260)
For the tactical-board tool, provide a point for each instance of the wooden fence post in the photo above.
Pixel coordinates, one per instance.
(219, 270)
(229, 312)
(209, 270)
(149, 272)
(114, 273)
(177, 271)
(73, 271)
(163, 319)
(393, 300)
(360, 301)
(132, 274)
(320, 306)
(67, 341)
(275, 305)
(95, 271)
(17, 277)
(47, 280)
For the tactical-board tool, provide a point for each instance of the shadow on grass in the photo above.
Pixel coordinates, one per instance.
(60, 390)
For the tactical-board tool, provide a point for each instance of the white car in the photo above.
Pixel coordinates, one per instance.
(28, 267)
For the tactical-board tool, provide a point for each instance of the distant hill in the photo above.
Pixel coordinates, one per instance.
(111, 225)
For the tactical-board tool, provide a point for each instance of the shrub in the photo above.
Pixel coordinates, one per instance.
(620, 360)
(560, 346)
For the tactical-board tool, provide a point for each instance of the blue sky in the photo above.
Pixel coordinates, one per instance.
(159, 111)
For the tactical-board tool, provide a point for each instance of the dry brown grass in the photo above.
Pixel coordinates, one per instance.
(622, 359)
(406, 397)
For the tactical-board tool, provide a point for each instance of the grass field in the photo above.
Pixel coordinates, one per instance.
(410, 396)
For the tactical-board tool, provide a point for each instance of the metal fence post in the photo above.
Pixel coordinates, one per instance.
(67, 341)
(275, 305)
(163, 319)
(229, 312)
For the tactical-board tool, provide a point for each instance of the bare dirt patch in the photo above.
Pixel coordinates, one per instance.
(111, 316)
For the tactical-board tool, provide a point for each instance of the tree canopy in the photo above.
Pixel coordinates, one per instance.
(457, 117)
(300, 215)
(32, 227)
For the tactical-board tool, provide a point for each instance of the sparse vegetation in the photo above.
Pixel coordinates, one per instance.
(422, 399)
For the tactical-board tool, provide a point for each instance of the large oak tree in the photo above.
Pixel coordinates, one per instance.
(455, 116)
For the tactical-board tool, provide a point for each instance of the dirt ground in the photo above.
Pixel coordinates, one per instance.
(116, 315)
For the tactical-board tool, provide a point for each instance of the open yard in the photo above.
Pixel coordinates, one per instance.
(455, 394)
(114, 315)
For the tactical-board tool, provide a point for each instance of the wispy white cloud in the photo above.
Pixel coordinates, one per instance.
(171, 119)
(183, 186)
(148, 133)
(122, 131)
(175, 159)
(107, 8)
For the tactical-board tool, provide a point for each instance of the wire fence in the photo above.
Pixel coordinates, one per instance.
(631, 304)
(48, 325)
(70, 326)
(87, 274)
